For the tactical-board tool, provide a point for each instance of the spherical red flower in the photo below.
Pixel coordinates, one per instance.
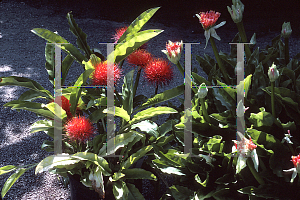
(209, 19)
(99, 76)
(140, 57)
(296, 160)
(66, 106)
(79, 129)
(158, 72)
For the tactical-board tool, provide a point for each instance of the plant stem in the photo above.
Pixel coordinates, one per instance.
(156, 89)
(137, 81)
(205, 115)
(254, 172)
(225, 75)
(244, 39)
(182, 72)
(286, 50)
(272, 99)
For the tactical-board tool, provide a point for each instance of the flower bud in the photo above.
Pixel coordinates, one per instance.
(273, 73)
(202, 91)
(237, 11)
(173, 51)
(286, 30)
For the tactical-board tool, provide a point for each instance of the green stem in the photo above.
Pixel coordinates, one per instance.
(286, 51)
(225, 75)
(205, 115)
(272, 99)
(292, 150)
(137, 81)
(182, 72)
(254, 172)
(244, 39)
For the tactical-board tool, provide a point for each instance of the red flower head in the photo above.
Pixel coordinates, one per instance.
(140, 57)
(79, 129)
(296, 160)
(99, 76)
(158, 72)
(66, 106)
(209, 19)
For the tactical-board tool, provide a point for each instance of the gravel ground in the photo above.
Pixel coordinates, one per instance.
(22, 54)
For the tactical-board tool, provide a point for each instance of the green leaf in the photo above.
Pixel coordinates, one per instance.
(51, 107)
(171, 157)
(76, 90)
(48, 146)
(120, 190)
(204, 64)
(199, 79)
(127, 92)
(25, 82)
(31, 95)
(181, 193)
(134, 193)
(7, 168)
(261, 119)
(120, 112)
(119, 141)
(228, 93)
(30, 106)
(11, 180)
(65, 66)
(54, 38)
(55, 161)
(138, 173)
(247, 84)
(165, 96)
(151, 112)
(97, 115)
(135, 157)
(122, 50)
(101, 162)
(138, 23)
(203, 183)
(81, 36)
(148, 127)
(117, 176)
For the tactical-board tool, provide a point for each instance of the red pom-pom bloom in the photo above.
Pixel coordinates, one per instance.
(296, 160)
(209, 19)
(79, 129)
(99, 76)
(158, 72)
(140, 57)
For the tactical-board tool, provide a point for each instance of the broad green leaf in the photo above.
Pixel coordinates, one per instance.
(50, 61)
(101, 162)
(137, 173)
(135, 157)
(25, 82)
(119, 141)
(30, 106)
(81, 36)
(48, 146)
(247, 84)
(54, 38)
(199, 79)
(228, 93)
(11, 180)
(181, 193)
(262, 119)
(7, 168)
(97, 115)
(120, 112)
(138, 23)
(117, 176)
(148, 127)
(51, 107)
(134, 193)
(65, 66)
(166, 127)
(120, 190)
(165, 96)
(171, 157)
(31, 95)
(151, 112)
(122, 50)
(127, 92)
(55, 161)
(76, 90)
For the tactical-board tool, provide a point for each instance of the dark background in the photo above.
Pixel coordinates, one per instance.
(270, 12)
